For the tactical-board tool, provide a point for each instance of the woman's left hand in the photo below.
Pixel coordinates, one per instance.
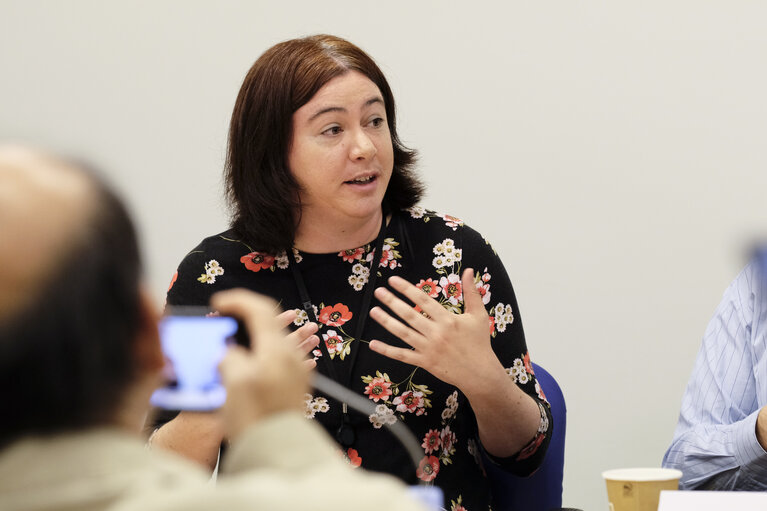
(453, 347)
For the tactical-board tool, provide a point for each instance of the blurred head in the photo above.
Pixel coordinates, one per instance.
(262, 189)
(72, 311)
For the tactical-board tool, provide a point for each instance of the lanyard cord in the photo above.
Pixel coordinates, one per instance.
(345, 435)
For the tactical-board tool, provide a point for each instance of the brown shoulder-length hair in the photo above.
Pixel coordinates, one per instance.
(260, 188)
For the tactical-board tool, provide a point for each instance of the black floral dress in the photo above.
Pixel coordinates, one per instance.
(431, 251)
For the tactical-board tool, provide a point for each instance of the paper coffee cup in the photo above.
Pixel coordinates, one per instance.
(638, 489)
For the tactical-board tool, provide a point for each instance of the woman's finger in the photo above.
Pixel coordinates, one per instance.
(403, 355)
(396, 327)
(427, 304)
(471, 298)
(404, 310)
(287, 317)
(300, 335)
(308, 344)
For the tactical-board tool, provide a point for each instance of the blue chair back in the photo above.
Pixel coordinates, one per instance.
(542, 491)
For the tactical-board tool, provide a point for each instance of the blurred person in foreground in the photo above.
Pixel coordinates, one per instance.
(80, 357)
(720, 442)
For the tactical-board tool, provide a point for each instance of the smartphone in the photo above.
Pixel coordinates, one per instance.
(193, 343)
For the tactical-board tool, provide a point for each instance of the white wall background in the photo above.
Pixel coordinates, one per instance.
(612, 151)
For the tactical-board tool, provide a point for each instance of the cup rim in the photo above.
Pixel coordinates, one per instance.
(642, 474)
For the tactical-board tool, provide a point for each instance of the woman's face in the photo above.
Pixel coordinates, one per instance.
(341, 152)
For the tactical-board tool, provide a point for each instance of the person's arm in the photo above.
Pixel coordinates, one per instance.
(456, 349)
(717, 444)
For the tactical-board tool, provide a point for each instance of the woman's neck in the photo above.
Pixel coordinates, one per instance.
(321, 235)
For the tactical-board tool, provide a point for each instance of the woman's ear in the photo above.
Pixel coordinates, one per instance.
(147, 349)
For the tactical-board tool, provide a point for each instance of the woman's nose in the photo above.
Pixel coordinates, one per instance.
(362, 147)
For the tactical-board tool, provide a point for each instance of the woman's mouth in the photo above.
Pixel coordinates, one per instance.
(361, 180)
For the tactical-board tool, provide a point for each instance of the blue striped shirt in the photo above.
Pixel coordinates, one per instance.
(715, 443)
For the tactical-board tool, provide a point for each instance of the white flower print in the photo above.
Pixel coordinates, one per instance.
(301, 317)
(382, 415)
(517, 372)
(361, 270)
(451, 405)
(416, 211)
(212, 270)
(503, 316)
(282, 260)
(457, 254)
(452, 400)
(314, 406)
(439, 261)
(439, 248)
(357, 282)
(297, 255)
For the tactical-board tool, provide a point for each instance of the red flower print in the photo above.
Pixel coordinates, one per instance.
(484, 292)
(431, 441)
(539, 391)
(451, 288)
(336, 315)
(492, 324)
(410, 402)
(452, 221)
(351, 255)
(430, 287)
(428, 468)
(530, 448)
(378, 388)
(354, 457)
(257, 261)
(333, 341)
(528, 365)
(173, 281)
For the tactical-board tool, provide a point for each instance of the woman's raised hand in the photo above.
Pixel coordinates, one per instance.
(453, 347)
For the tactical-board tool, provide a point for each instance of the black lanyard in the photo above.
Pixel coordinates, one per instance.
(345, 434)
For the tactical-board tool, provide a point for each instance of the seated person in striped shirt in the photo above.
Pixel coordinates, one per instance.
(720, 442)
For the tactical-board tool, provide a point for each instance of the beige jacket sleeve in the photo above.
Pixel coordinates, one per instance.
(287, 462)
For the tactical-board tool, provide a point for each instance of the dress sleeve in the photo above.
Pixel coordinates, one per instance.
(715, 444)
(508, 341)
(195, 279)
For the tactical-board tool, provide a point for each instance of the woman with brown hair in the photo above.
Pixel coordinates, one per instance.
(325, 220)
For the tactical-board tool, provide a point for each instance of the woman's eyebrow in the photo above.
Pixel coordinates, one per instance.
(371, 101)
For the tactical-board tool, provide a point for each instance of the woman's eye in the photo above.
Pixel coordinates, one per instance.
(377, 122)
(333, 130)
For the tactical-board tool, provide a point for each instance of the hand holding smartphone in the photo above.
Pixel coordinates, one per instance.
(193, 344)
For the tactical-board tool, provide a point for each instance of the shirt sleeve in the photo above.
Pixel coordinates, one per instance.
(198, 276)
(508, 341)
(715, 443)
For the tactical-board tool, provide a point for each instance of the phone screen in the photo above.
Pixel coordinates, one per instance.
(193, 346)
